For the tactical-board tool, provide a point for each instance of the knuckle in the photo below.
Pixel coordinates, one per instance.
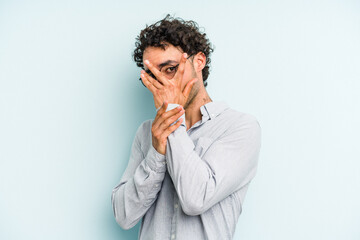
(168, 121)
(161, 125)
(173, 118)
(164, 115)
(174, 127)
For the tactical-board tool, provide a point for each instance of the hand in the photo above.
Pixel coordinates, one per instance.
(164, 89)
(161, 128)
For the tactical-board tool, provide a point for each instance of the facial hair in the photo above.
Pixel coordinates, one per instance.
(194, 90)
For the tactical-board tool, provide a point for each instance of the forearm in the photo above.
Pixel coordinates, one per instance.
(191, 176)
(133, 196)
(228, 164)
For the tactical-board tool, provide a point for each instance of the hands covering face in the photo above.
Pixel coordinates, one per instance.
(164, 89)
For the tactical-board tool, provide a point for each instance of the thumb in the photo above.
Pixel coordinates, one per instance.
(188, 87)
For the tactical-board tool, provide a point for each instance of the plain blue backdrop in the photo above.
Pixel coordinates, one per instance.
(70, 103)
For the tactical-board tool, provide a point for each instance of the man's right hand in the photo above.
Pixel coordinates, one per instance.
(161, 128)
(164, 89)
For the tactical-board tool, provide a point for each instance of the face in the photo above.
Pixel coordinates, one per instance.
(167, 61)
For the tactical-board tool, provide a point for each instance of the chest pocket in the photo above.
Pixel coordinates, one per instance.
(202, 145)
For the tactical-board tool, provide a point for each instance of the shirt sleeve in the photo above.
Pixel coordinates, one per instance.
(228, 164)
(139, 185)
(172, 106)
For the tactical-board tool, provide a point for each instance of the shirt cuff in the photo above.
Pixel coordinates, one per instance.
(172, 106)
(155, 160)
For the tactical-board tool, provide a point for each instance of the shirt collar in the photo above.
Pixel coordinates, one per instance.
(211, 110)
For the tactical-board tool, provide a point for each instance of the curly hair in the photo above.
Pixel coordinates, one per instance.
(177, 32)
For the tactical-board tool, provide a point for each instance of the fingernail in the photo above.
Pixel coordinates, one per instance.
(185, 55)
(146, 61)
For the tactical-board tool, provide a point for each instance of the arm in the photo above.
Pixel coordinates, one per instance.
(139, 186)
(143, 177)
(228, 164)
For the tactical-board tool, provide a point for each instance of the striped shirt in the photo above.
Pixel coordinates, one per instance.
(197, 189)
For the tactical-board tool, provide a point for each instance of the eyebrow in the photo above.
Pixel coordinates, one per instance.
(168, 62)
(161, 65)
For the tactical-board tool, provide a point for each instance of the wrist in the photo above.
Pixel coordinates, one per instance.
(158, 147)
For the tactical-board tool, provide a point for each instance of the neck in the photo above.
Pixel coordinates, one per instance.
(192, 111)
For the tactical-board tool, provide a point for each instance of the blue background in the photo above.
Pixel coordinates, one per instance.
(70, 104)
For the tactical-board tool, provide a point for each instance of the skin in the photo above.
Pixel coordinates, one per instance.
(186, 88)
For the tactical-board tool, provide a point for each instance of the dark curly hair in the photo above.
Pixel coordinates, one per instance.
(176, 32)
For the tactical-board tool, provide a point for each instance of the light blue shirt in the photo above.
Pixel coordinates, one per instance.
(195, 191)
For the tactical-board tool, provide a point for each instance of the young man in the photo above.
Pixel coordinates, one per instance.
(191, 166)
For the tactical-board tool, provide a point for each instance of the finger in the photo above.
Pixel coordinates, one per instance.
(165, 115)
(188, 87)
(172, 128)
(151, 80)
(148, 84)
(170, 120)
(156, 73)
(180, 72)
(161, 110)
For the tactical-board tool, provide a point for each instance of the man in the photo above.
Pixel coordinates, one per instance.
(191, 166)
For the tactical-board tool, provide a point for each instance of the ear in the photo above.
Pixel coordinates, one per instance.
(199, 61)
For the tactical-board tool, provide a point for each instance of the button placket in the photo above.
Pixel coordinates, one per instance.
(174, 218)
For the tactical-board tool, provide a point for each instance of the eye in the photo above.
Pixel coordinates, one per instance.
(170, 69)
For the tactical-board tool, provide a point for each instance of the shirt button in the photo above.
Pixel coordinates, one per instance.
(173, 236)
(176, 206)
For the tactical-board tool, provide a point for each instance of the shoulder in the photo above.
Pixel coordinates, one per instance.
(240, 119)
(240, 126)
(144, 126)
